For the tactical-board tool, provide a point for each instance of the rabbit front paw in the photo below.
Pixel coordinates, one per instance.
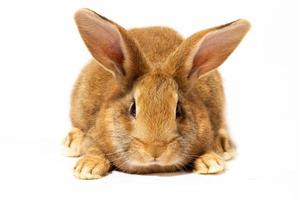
(72, 143)
(209, 163)
(91, 167)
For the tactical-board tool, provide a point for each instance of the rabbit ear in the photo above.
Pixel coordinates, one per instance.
(205, 51)
(110, 45)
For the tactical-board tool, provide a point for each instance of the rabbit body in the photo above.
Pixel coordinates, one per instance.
(144, 105)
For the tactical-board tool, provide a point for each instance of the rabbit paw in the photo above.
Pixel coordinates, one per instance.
(209, 163)
(72, 143)
(224, 145)
(91, 167)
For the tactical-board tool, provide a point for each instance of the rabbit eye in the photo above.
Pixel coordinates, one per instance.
(132, 109)
(178, 110)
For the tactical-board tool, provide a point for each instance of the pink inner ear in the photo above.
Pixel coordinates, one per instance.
(109, 42)
(201, 57)
(213, 50)
(105, 42)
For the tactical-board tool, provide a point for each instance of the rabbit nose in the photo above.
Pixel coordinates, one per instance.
(155, 151)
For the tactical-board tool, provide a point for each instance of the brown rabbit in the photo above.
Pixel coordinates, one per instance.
(150, 101)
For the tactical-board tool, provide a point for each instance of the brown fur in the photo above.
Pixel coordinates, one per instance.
(158, 68)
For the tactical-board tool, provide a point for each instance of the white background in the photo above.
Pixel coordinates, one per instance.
(41, 55)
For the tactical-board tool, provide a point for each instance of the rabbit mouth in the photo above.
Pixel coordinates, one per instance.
(152, 162)
(144, 164)
(149, 167)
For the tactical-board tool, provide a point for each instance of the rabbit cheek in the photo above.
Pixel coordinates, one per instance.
(136, 155)
(115, 128)
(172, 154)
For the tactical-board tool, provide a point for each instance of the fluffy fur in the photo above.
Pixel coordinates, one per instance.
(159, 71)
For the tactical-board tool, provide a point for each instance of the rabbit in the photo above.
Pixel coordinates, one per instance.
(150, 101)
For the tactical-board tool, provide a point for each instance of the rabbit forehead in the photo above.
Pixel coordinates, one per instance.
(155, 88)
